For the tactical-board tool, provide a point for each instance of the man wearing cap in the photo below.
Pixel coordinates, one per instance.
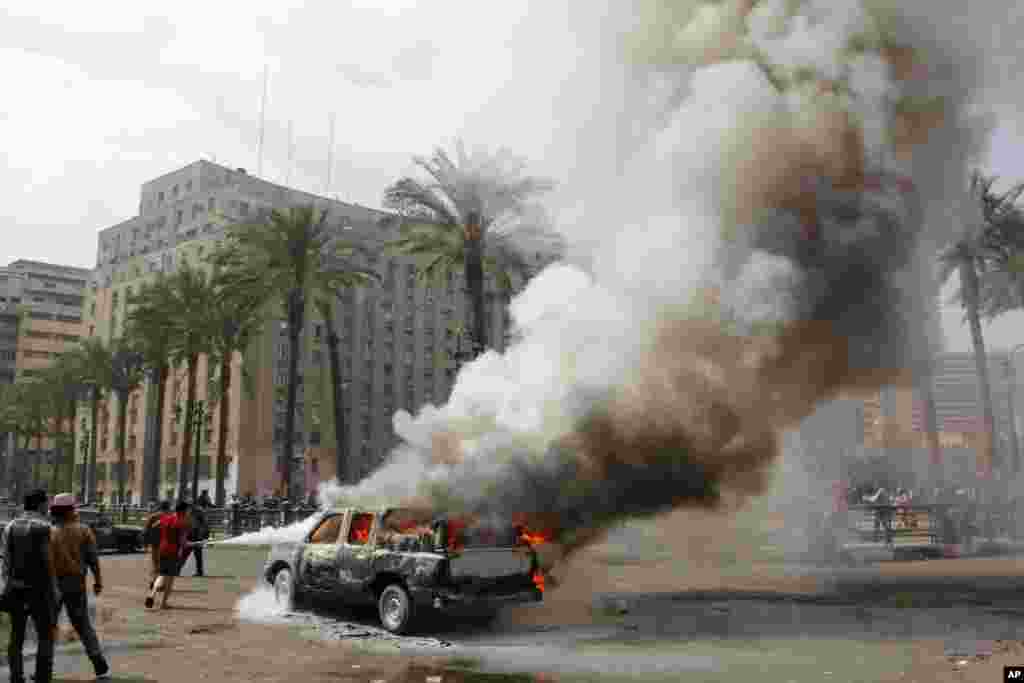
(32, 588)
(74, 552)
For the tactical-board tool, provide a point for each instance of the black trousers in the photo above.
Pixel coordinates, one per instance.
(27, 603)
(198, 552)
(77, 605)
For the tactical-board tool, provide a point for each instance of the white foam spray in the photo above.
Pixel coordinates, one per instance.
(272, 535)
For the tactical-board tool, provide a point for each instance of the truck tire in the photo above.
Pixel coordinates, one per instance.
(285, 591)
(395, 609)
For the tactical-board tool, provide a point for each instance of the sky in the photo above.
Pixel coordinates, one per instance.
(97, 101)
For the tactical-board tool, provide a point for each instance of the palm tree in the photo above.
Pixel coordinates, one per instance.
(149, 328)
(16, 419)
(95, 363)
(234, 319)
(281, 258)
(13, 421)
(338, 271)
(1001, 287)
(127, 368)
(64, 385)
(968, 256)
(32, 412)
(452, 218)
(6, 427)
(183, 297)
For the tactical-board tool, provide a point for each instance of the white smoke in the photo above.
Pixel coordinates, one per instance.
(658, 236)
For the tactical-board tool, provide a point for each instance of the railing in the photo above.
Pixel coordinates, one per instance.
(228, 522)
(936, 524)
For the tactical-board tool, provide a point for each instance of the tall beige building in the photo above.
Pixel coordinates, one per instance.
(40, 318)
(397, 343)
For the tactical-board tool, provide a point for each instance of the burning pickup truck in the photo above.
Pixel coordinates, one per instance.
(407, 564)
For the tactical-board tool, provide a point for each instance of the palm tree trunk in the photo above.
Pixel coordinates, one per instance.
(220, 495)
(21, 467)
(154, 442)
(474, 269)
(5, 460)
(931, 420)
(58, 451)
(186, 440)
(122, 436)
(970, 288)
(73, 436)
(90, 465)
(340, 432)
(296, 319)
(37, 470)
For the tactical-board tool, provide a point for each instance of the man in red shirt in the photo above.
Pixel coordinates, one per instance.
(173, 536)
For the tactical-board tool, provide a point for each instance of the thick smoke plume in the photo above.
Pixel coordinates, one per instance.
(776, 217)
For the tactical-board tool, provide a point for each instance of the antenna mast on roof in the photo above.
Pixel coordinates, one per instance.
(291, 156)
(330, 157)
(263, 114)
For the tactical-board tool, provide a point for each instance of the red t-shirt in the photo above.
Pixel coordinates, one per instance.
(172, 534)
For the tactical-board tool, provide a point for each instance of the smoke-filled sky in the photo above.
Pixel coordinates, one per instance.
(96, 102)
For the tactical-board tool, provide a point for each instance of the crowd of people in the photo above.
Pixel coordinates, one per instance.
(47, 554)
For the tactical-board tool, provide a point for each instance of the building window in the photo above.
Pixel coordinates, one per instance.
(174, 191)
(178, 215)
(196, 210)
(316, 331)
(188, 186)
(159, 197)
(211, 204)
(243, 208)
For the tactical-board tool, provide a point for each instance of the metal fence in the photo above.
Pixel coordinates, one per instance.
(224, 522)
(936, 524)
(889, 525)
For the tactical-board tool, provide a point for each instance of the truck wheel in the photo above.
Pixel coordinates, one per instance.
(395, 609)
(285, 594)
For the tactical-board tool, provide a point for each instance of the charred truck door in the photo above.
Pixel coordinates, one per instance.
(355, 558)
(317, 569)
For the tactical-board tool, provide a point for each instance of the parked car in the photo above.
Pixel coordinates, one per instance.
(405, 566)
(110, 536)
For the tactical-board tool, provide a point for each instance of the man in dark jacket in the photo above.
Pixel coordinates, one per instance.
(73, 552)
(199, 533)
(32, 589)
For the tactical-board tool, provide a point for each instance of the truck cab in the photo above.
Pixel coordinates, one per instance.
(406, 563)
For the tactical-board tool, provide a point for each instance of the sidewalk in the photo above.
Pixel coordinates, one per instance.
(70, 658)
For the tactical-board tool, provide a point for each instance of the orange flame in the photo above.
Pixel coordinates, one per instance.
(455, 527)
(532, 538)
(361, 528)
(538, 580)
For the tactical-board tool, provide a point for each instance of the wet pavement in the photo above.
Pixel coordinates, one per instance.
(665, 634)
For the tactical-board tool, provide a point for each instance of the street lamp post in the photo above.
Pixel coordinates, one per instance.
(1014, 439)
(198, 419)
(83, 477)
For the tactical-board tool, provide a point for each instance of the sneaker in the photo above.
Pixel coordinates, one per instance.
(103, 671)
